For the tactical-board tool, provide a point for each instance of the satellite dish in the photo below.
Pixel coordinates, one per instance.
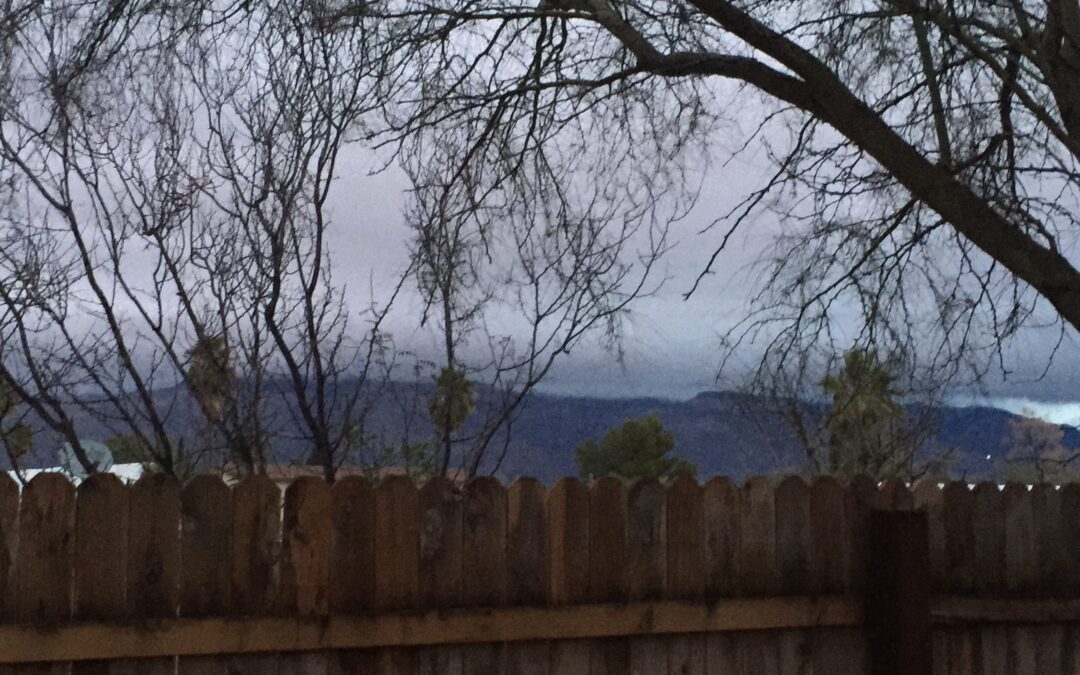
(96, 451)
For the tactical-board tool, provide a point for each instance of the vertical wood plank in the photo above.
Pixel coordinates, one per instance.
(45, 562)
(958, 511)
(1052, 571)
(9, 537)
(206, 561)
(685, 535)
(484, 564)
(720, 499)
(101, 526)
(834, 651)
(988, 525)
(352, 549)
(758, 652)
(352, 563)
(256, 551)
(897, 601)
(607, 568)
(153, 570)
(1070, 515)
(861, 498)
(757, 527)
(440, 565)
(646, 532)
(1021, 571)
(527, 559)
(306, 540)
(397, 560)
(793, 553)
(930, 500)
(720, 505)
(568, 548)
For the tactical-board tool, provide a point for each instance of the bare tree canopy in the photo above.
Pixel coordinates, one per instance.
(925, 152)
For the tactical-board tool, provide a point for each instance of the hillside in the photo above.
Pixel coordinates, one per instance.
(722, 432)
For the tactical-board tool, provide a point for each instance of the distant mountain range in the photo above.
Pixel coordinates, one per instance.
(723, 433)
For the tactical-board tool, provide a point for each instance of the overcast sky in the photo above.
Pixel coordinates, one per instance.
(671, 345)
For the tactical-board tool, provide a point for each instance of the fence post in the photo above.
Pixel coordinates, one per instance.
(897, 601)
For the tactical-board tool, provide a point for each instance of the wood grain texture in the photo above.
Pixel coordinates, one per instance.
(206, 560)
(930, 500)
(45, 559)
(153, 570)
(9, 538)
(759, 569)
(794, 550)
(101, 527)
(410, 628)
(256, 545)
(352, 548)
(1021, 571)
(607, 567)
(720, 507)
(306, 541)
(527, 573)
(397, 561)
(440, 565)
(352, 565)
(568, 550)
(685, 539)
(254, 568)
(646, 532)
(988, 523)
(484, 580)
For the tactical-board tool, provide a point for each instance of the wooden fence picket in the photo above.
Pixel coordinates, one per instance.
(568, 548)
(685, 539)
(256, 548)
(834, 651)
(608, 555)
(352, 564)
(9, 541)
(959, 644)
(440, 565)
(9, 538)
(646, 536)
(397, 561)
(206, 561)
(153, 562)
(527, 571)
(687, 579)
(484, 564)
(101, 539)
(1021, 571)
(45, 559)
(988, 524)
(794, 549)
(758, 651)
(1070, 583)
(306, 538)
(720, 507)
(1052, 562)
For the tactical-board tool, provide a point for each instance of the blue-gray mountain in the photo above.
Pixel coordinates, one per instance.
(721, 432)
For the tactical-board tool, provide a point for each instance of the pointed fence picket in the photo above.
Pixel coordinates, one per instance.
(767, 577)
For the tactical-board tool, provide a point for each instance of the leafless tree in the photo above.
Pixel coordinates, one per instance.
(925, 152)
(165, 183)
(516, 266)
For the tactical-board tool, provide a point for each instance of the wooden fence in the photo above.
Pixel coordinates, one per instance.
(580, 579)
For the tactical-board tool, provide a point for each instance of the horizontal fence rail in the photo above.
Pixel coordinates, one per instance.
(764, 577)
